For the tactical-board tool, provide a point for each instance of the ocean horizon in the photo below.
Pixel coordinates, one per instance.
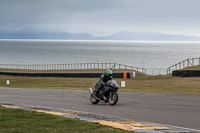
(144, 54)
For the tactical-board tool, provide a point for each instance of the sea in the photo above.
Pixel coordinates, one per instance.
(156, 56)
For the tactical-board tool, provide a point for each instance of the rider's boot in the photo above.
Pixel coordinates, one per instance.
(96, 92)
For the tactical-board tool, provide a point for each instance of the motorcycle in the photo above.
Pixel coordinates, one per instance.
(106, 94)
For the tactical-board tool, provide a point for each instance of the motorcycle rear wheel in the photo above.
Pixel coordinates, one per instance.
(93, 100)
(113, 98)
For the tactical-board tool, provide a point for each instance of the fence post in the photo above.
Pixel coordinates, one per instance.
(193, 61)
(199, 61)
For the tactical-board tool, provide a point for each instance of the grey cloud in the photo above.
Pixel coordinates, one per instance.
(101, 15)
(25, 13)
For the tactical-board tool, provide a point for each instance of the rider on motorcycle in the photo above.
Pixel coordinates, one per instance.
(105, 77)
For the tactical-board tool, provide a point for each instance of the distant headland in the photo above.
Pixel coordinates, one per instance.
(124, 35)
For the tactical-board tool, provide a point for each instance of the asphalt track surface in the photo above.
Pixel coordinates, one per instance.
(170, 109)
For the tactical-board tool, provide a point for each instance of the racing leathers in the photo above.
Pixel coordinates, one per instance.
(102, 82)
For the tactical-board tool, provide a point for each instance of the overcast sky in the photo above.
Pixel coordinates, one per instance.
(102, 17)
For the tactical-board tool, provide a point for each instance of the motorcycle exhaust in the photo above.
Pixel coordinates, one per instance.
(91, 91)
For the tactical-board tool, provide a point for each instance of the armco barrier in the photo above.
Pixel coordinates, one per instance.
(186, 73)
(72, 75)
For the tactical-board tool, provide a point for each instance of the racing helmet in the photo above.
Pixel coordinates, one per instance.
(109, 72)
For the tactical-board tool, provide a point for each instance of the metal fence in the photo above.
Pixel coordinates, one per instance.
(183, 64)
(71, 66)
(82, 66)
(156, 71)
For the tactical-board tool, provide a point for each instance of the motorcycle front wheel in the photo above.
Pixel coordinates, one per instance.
(93, 100)
(113, 98)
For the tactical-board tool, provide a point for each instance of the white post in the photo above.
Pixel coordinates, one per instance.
(123, 83)
(134, 75)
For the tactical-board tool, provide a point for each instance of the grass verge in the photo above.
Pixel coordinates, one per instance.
(21, 121)
(142, 83)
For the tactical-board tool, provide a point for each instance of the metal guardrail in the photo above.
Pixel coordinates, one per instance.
(183, 64)
(70, 66)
